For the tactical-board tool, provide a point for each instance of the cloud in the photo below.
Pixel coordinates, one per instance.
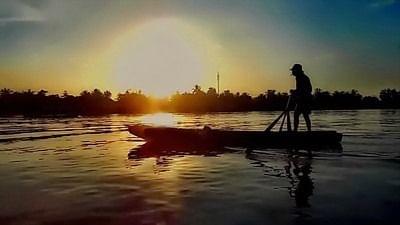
(15, 11)
(382, 3)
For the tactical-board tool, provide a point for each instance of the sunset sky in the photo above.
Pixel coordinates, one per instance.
(165, 46)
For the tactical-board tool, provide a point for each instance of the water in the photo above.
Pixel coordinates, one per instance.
(77, 171)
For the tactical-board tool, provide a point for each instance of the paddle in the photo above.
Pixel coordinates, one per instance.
(285, 113)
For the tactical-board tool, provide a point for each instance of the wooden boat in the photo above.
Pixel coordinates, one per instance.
(232, 138)
(206, 137)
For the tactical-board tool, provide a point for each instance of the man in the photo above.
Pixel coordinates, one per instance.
(302, 96)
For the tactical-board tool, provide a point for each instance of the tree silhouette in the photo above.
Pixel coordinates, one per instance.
(96, 102)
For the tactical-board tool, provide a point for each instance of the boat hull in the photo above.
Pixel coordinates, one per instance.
(215, 137)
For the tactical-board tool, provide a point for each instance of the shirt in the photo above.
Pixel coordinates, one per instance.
(303, 86)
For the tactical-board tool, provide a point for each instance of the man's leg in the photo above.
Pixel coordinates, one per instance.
(308, 121)
(296, 116)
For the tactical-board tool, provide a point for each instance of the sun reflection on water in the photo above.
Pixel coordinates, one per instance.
(160, 119)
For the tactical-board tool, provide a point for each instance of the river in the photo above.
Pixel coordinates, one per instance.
(77, 171)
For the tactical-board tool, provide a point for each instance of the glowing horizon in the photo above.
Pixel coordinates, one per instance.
(160, 58)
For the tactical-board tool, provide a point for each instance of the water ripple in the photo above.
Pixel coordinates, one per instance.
(78, 171)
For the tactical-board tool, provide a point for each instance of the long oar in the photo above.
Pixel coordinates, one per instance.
(279, 117)
(288, 123)
(283, 120)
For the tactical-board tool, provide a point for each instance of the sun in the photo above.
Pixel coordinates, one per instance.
(160, 58)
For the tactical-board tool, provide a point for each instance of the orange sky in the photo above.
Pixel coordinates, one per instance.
(164, 47)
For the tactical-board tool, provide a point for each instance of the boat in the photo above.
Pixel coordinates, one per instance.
(170, 136)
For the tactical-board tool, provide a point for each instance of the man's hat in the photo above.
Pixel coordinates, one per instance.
(297, 67)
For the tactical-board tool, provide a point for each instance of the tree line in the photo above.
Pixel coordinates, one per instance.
(97, 102)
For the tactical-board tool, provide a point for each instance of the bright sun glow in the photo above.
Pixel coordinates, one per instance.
(160, 59)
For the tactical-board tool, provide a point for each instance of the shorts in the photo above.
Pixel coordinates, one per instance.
(303, 105)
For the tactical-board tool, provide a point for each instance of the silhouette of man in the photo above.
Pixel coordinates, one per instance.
(302, 96)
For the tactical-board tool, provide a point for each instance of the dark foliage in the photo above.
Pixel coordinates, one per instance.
(97, 102)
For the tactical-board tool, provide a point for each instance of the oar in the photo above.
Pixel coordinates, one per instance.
(274, 122)
(283, 120)
(288, 123)
(279, 117)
